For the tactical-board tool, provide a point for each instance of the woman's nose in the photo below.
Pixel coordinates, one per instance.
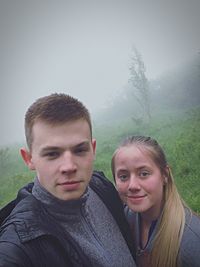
(134, 183)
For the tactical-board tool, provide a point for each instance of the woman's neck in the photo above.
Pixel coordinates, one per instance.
(153, 213)
(146, 220)
(144, 231)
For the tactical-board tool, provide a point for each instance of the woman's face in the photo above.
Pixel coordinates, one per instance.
(139, 180)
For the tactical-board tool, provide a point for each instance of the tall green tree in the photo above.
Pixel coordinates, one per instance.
(139, 86)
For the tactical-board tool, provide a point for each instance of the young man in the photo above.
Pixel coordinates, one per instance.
(66, 218)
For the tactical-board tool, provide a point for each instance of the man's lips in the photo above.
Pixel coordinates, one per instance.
(68, 182)
(70, 185)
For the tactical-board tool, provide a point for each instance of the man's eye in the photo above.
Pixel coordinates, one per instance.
(81, 150)
(52, 155)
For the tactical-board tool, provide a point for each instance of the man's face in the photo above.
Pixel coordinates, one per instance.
(62, 156)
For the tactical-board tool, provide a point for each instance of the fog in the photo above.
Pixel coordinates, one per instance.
(83, 48)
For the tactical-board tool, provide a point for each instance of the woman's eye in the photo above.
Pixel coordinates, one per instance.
(123, 177)
(144, 174)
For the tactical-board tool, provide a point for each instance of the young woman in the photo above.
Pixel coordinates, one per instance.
(166, 232)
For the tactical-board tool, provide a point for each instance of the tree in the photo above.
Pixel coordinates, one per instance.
(139, 86)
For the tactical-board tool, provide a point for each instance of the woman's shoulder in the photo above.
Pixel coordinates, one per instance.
(192, 224)
(190, 243)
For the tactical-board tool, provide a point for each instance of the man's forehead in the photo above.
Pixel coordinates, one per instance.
(68, 126)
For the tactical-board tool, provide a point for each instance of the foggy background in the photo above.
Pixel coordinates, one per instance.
(83, 48)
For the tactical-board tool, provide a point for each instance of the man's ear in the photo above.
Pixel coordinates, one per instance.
(26, 156)
(94, 146)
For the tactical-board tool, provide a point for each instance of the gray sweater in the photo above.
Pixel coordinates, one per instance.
(91, 225)
(189, 252)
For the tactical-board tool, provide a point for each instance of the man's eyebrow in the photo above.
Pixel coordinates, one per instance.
(49, 148)
(56, 148)
(84, 143)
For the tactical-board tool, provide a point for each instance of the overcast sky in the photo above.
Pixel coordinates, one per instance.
(83, 48)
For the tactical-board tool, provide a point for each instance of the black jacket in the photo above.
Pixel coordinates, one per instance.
(37, 241)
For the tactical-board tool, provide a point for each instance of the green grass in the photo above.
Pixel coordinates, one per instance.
(14, 174)
(177, 133)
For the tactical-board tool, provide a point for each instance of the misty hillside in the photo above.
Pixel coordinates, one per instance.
(179, 89)
(175, 91)
(174, 120)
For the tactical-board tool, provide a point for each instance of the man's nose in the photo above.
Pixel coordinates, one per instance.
(68, 163)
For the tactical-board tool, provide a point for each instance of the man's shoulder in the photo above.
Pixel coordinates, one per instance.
(99, 179)
(9, 207)
(27, 222)
(27, 212)
(18, 212)
(11, 250)
(24, 240)
(104, 188)
(10, 242)
(9, 235)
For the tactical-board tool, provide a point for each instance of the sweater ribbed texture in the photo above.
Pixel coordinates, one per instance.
(91, 225)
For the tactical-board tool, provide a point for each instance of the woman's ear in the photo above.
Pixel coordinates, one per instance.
(165, 180)
(166, 174)
(27, 158)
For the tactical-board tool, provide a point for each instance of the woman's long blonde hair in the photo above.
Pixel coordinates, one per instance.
(170, 230)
